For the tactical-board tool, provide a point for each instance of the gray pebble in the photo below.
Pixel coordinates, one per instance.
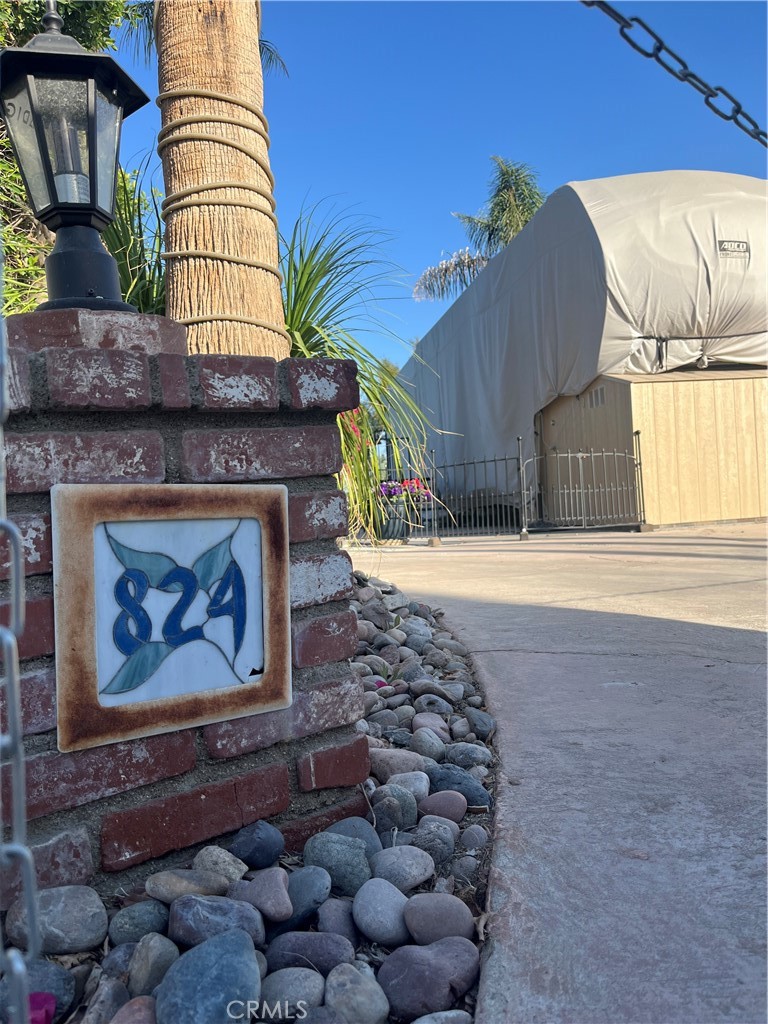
(308, 888)
(435, 839)
(452, 777)
(467, 755)
(221, 862)
(342, 857)
(378, 912)
(427, 743)
(358, 828)
(319, 950)
(416, 783)
(43, 976)
(115, 963)
(355, 996)
(259, 844)
(404, 866)
(293, 986)
(430, 704)
(433, 916)
(71, 919)
(424, 979)
(482, 723)
(335, 916)
(167, 886)
(405, 799)
(194, 919)
(474, 837)
(153, 956)
(132, 923)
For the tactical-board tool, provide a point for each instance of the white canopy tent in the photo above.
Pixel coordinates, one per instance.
(635, 274)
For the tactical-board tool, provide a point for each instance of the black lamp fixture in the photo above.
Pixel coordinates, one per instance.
(64, 108)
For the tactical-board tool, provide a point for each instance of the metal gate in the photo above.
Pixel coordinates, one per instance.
(511, 495)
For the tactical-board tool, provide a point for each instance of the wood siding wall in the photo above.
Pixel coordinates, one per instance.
(703, 447)
(580, 422)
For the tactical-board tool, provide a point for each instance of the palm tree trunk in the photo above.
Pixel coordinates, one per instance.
(221, 235)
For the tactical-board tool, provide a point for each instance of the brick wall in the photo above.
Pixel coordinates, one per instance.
(139, 411)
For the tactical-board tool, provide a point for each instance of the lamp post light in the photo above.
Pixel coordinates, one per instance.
(64, 108)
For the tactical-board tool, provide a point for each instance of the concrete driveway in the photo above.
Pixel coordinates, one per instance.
(627, 673)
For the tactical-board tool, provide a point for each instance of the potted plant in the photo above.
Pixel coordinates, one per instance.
(400, 508)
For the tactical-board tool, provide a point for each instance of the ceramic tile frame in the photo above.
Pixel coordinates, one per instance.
(76, 509)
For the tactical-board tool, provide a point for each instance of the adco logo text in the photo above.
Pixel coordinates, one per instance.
(730, 249)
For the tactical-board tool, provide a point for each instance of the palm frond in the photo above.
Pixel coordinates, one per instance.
(271, 59)
(450, 277)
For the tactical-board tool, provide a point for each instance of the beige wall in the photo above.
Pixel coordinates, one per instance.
(703, 445)
(580, 422)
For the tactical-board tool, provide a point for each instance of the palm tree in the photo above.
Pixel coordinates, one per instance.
(221, 234)
(514, 198)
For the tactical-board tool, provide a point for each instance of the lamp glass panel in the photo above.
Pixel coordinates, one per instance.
(63, 105)
(109, 116)
(17, 111)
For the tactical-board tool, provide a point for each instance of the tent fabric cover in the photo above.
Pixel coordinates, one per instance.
(616, 275)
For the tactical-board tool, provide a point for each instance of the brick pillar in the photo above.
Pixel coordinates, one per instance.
(112, 398)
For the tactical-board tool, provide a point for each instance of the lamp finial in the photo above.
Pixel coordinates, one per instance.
(52, 21)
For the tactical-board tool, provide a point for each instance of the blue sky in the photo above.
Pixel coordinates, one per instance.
(394, 109)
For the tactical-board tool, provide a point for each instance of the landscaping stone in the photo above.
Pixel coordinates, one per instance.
(392, 762)
(136, 1011)
(430, 819)
(132, 923)
(430, 704)
(427, 685)
(357, 998)
(167, 886)
(465, 868)
(378, 910)
(436, 839)
(149, 964)
(428, 720)
(389, 816)
(431, 916)
(194, 919)
(71, 919)
(446, 804)
(468, 755)
(308, 888)
(404, 866)
(450, 776)
(44, 976)
(416, 783)
(293, 989)
(111, 994)
(427, 743)
(259, 845)
(405, 799)
(482, 723)
(221, 862)
(200, 985)
(446, 1017)
(418, 980)
(115, 963)
(385, 718)
(474, 837)
(358, 828)
(319, 950)
(267, 891)
(342, 857)
(335, 916)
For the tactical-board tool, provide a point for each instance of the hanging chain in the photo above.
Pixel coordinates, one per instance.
(14, 852)
(643, 39)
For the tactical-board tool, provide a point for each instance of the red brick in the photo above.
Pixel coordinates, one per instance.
(342, 765)
(64, 859)
(328, 706)
(35, 533)
(57, 782)
(38, 702)
(298, 831)
(237, 382)
(316, 516)
(76, 328)
(134, 836)
(38, 636)
(316, 579)
(38, 461)
(323, 384)
(328, 638)
(81, 378)
(174, 382)
(19, 382)
(237, 456)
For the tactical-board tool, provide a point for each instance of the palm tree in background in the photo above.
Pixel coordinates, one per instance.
(514, 198)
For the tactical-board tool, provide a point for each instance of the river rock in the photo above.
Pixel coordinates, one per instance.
(194, 919)
(435, 819)
(482, 723)
(388, 818)
(132, 923)
(167, 886)
(342, 857)
(267, 891)
(136, 1011)
(375, 612)
(319, 950)
(428, 685)
(405, 799)
(392, 762)
(468, 755)
(71, 919)
(149, 964)
(418, 980)
(446, 804)
(430, 704)
(427, 720)
(335, 916)
(465, 868)
(378, 910)
(110, 995)
(460, 728)
(294, 989)
(386, 718)
(358, 828)
(427, 743)
(474, 837)
(308, 888)
(398, 737)
(404, 866)
(201, 984)
(431, 916)
(115, 964)
(355, 996)
(436, 839)
(259, 845)
(416, 783)
(221, 862)
(450, 776)
(446, 1017)
(44, 976)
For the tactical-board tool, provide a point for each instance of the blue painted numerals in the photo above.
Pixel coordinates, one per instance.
(133, 626)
